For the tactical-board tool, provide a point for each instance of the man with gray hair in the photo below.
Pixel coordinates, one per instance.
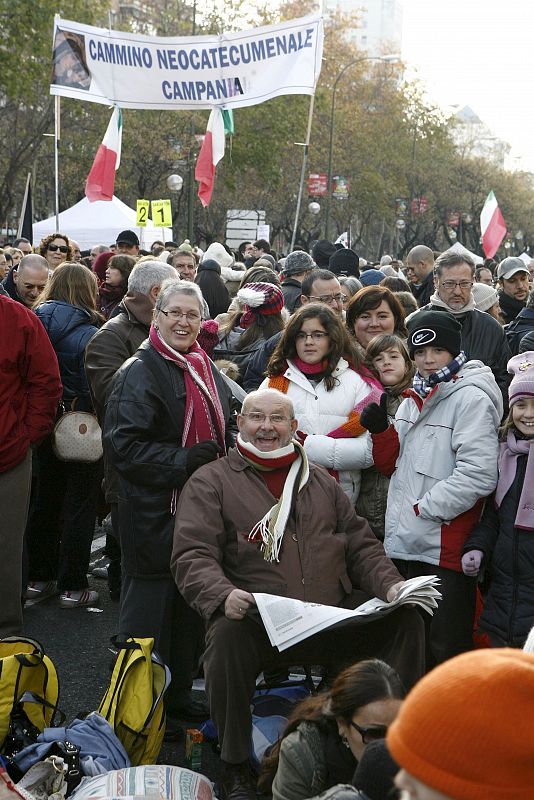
(483, 338)
(96, 250)
(421, 260)
(110, 347)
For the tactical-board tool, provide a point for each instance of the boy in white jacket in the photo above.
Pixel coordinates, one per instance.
(441, 453)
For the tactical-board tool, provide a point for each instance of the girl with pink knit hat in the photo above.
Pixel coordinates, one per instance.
(502, 544)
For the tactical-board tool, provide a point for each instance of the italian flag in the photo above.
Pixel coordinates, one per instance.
(100, 183)
(492, 226)
(219, 124)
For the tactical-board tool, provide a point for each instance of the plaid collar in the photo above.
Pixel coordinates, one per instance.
(423, 386)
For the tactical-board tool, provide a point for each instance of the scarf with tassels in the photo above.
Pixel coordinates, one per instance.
(204, 417)
(423, 386)
(352, 427)
(271, 527)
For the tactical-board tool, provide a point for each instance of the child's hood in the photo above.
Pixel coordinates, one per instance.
(475, 373)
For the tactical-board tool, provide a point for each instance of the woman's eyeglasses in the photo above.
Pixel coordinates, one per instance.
(371, 734)
(61, 247)
(191, 316)
(316, 336)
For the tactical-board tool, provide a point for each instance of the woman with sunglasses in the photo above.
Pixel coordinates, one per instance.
(327, 734)
(56, 249)
(316, 366)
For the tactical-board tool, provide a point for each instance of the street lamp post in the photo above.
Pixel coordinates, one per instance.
(388, 59)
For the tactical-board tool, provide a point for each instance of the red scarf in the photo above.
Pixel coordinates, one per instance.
(204, 418)
(352, 427)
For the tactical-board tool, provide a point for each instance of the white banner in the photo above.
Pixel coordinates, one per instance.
(231, 70)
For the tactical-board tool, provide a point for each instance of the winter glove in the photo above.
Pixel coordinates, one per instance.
(374, 417)
(471, 562)
(200, 454)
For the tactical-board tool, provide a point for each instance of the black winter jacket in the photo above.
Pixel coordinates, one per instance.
(69, 329)
(142, 438)
(255, 372)
(424, 290)
(509, 564)
(292, 291)
(519, 327)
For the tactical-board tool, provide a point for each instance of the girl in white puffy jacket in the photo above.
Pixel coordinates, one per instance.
(314, 364)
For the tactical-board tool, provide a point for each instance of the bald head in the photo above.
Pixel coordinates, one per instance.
(32, 260)
(30, 278)
(267, 420)
(76, 252)
(270, 395)
(421, 260)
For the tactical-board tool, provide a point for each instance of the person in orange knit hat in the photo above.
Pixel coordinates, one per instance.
(465, 730)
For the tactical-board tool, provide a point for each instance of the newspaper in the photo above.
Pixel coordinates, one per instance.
(289, 621)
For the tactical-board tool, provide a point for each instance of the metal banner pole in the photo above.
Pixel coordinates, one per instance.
(306, 145)
(57, 137)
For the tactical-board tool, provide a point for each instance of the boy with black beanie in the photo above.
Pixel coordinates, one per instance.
(441, 454)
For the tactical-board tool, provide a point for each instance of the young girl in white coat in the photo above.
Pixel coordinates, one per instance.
(503, 543)
(316, 366)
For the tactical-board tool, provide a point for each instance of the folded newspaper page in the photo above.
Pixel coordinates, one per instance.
(289, 621)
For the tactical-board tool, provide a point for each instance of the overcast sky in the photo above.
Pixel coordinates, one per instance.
(478, 53)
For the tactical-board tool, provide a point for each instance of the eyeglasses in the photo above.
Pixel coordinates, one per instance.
(61, 247)
(328, 299)
(191, 316)
(371, 734)
(316, 336)
(257, 416)
(453, 284)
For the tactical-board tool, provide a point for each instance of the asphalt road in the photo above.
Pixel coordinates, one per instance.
(78, 640)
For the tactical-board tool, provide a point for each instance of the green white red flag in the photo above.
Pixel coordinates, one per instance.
(100, 183)
(492, 226)
(219, 124)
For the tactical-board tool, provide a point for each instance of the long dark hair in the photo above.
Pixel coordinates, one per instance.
(363, 683)
(338, 340)
(265, 326)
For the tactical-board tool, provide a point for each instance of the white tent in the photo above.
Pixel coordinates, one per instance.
(99, 223)
(463, 251)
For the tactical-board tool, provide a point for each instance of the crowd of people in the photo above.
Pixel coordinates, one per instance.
(312, 426)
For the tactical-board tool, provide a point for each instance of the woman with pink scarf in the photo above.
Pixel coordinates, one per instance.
(502, 544)
(167, 416)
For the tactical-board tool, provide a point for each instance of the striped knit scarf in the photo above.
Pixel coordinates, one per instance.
(423, 386)
(271, 527)
(352, 427)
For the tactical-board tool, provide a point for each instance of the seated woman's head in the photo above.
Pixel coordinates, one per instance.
(364, 700)
(358, 709)
(387, 357)
(178, 313)
(372, 311)
(314, 335)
